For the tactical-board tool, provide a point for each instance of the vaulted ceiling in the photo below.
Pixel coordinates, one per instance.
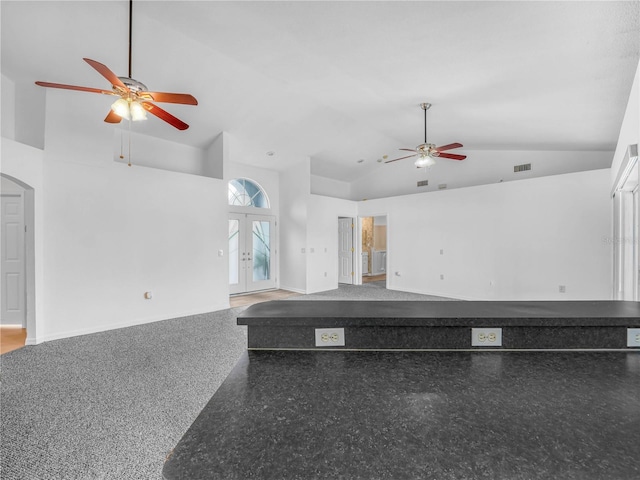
(341, 82)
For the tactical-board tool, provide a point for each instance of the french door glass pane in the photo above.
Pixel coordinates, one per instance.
(261, 251)
(234, 253)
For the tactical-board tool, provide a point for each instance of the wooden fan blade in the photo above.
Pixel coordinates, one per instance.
(448, 147)
(401, 158)
(75, 87)
(113, 117)
(164, 97)
(106, 73)
(164, 115)
(452, 156)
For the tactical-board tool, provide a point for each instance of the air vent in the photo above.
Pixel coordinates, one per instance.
(442, 186)
(423, 183)
(522, 168)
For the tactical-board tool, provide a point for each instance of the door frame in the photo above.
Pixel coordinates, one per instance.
(626, 228)
(359, 246)
(32, 258)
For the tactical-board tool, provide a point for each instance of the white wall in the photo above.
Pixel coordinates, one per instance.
(322, 240)
(294, 196)
(26, 123)
(8, 186)
(510, 241)
(147, 151)
(111, 233)
(330, 187)
(8, 108)
(216, 154)
(400, 178)
(30, 115)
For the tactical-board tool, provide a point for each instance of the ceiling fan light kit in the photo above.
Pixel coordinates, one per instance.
(129, 109)
(425, 162)
(135, 99)
(428, 152)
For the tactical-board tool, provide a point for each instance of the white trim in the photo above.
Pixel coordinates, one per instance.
(629, 161)
(438, 294)
(131, 323)
(291, 289)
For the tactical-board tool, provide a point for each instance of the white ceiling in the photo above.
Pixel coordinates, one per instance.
(341, 81)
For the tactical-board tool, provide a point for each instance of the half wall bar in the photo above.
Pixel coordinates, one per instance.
(455, 325)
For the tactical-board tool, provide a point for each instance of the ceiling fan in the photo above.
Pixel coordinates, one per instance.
(134, 97)
(428, 152)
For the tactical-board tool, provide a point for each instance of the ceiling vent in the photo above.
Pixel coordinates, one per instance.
(423, 183)
(522, 168)
(442, 186)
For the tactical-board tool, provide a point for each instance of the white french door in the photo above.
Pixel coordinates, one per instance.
(251, 253)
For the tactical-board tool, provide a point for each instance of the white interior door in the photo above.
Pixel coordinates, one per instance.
(251, 253)
(13, 261)
(345, 250)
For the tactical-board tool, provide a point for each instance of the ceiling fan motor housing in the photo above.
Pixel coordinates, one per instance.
(133, 85)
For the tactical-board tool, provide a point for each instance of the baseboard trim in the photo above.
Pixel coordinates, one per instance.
(131, 323)
(295, 290)
(435, 294)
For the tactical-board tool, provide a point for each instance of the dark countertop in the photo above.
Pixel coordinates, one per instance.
(325, 313)
(399, 415)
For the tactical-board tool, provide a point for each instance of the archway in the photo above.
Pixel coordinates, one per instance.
(17, 188)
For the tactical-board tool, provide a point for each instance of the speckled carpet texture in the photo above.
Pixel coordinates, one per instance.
(112, 405)
(367, 291)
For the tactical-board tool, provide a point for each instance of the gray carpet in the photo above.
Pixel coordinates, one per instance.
(112, 405)
(368, 291)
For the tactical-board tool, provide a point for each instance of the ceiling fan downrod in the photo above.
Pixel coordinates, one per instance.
(425, 107)
(130, 29)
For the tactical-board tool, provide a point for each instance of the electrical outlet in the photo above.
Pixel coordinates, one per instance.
(441, 277)
(562, 289)
(330, 337)
(486, 337)
(633, 337)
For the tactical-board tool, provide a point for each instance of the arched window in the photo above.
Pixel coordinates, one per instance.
(245, 193)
